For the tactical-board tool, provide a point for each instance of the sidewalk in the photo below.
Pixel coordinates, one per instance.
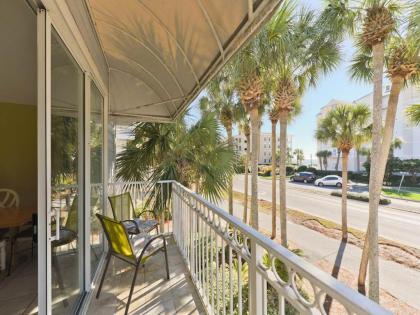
(399, 281)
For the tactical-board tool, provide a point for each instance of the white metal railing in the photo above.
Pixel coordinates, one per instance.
(237, 270)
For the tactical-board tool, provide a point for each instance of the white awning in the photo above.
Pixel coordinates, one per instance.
(161, 53)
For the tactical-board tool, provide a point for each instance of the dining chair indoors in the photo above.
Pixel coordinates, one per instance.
(123, 210)
(134, 251)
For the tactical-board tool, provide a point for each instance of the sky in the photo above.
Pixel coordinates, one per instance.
(335, 85)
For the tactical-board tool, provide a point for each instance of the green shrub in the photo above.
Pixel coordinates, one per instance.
(360, 197)
(302, 168)
(312, 170)
(290, 170)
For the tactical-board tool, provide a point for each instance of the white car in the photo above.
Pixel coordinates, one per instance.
(330, 180)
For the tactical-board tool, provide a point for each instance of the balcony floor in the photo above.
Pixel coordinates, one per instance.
(153, 294)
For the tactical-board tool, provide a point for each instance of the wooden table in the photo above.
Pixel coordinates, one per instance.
(13, 219)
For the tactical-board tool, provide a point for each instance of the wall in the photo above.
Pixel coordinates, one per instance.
(18, 151)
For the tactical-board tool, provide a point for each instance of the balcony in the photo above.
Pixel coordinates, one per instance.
(220, 265)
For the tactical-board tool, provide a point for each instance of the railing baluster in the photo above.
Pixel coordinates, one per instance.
(217, 272)
(211, 264)
(230, 281)
(239, 282)
(223, 278)
(207, 260)
(281, 305)
(264, 295)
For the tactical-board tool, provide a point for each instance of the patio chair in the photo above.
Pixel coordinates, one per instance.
(8, 198)
(123, 210)
(134, 251)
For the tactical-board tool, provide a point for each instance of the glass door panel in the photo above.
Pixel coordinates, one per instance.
(96, 175)
(67, 82)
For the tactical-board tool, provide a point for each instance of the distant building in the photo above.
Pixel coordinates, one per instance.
(264, 157)
(404, 130)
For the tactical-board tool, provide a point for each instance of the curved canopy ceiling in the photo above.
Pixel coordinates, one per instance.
(162, 53)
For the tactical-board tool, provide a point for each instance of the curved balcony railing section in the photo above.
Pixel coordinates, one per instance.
(237, 270)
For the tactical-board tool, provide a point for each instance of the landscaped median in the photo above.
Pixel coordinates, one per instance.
(413, 194)
(389, 250)
(361, 197)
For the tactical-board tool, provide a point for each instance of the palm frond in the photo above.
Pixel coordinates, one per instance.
(413, 113)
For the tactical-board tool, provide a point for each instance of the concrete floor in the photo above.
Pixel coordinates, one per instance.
(18, 292)
(153, 294)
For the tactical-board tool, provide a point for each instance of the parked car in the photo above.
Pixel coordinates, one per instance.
(330, 180)
(306, 177)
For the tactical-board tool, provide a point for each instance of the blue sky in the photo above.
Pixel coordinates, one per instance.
(337, 84)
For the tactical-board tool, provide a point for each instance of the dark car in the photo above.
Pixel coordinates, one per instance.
(306, 177)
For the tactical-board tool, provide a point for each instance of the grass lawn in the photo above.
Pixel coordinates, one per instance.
(411, 194)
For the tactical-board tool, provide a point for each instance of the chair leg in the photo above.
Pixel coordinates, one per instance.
(166, 258)
(108, 259)
(56, 266)
(12, 255)
(132, 288)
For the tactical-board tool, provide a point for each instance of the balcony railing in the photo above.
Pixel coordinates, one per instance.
(237, 270)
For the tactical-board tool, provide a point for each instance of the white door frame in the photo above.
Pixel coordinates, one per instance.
(57, 15)
(44, 160)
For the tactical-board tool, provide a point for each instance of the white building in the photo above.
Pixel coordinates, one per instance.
(264, 157)
(404, 130)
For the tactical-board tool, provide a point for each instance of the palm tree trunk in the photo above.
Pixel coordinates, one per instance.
(397, 84)
(248, 153)
(338, 160)
(320, 162)
(273, 179)
(358, 161)
(344, 175)
(375, 182)
(230, 189)
(282, 181)
(197, 184)
(325, 160)
(255, 137)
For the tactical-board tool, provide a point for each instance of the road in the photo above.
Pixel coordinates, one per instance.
(394, 223)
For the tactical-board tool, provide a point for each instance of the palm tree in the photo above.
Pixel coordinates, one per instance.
(248, 74)
(358, 153)
(301, 50)
(338, 159)
(319, 156)
(221, 97)
(326, 155)
(190, 154)
(373, 22)
(346, 126)
(273, 114)
(413, 113)
(300, 156)
(402, 63)
(289, 156)
(245, 130)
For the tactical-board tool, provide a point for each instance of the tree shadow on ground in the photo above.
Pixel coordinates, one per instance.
(335, 272)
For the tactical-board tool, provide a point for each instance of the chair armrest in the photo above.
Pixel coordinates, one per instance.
(149, 242)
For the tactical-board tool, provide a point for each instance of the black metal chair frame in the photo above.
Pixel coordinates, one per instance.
(136, 262)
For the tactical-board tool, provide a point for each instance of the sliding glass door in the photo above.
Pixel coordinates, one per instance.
(67, 168)
(71, 191)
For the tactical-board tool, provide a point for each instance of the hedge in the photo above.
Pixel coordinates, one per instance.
(382, 201)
